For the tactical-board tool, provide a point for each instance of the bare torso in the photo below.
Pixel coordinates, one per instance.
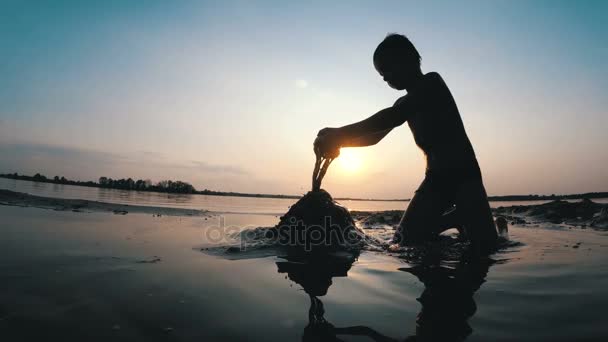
(438, 129)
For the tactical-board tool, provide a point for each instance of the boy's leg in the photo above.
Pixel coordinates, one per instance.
(475, 213)
(451, 219)
(422, 219)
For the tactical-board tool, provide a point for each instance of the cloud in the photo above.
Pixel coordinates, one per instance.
(230, 169)
(84, 164)
(153, 154)
(33, 151)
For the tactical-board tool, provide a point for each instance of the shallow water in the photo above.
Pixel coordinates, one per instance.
(97, 276)
(223, 204)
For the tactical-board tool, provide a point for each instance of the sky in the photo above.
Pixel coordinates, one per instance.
(229, 95)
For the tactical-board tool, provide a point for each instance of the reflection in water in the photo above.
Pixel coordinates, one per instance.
(314, 273)
(447, 300)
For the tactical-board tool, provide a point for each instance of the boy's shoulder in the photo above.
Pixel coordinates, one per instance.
(433, 76)
(433, 80)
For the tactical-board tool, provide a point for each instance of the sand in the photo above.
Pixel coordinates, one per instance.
(96, 276)
(584, 213)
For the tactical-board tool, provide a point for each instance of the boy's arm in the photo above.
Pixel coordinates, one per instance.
(381, 122)
(366, 140)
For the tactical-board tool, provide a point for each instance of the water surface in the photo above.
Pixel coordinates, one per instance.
(102, 277)
(224, 204)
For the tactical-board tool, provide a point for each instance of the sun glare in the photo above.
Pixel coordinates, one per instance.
(349, 160)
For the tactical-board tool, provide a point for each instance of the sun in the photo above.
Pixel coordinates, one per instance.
(349, 160)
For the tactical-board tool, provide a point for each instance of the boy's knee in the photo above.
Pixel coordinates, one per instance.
(412, 233)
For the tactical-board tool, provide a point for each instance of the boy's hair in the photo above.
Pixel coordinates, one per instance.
(398, 44)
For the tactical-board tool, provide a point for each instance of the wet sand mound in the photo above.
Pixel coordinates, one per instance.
(315, 225)
(583, 213)
(318, 223)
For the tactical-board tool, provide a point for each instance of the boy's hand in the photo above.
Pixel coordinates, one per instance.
(327, 130)
(327, 144)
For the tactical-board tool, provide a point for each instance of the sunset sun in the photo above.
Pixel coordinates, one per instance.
(349, 160)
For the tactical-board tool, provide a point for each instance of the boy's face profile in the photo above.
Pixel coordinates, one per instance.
(394, 73)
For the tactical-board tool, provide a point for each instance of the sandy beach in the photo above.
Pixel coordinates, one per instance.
(93, 275)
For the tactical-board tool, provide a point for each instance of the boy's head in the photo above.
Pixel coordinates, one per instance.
(397, 61)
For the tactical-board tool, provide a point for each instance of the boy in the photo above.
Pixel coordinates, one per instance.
(453, 177)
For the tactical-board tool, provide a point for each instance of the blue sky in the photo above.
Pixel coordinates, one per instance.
(229, 95)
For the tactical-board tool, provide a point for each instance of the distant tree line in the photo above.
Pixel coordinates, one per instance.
(42, 178)
(146, 185)
(168, 186)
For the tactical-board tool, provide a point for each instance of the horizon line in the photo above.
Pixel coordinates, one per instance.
(531, 197)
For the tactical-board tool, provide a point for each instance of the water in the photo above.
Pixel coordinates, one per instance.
(224, 204)
(87, 277)
(101, 277)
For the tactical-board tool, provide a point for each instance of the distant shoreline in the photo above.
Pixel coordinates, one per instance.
(503, 198)
(90, 184)
(20, 199)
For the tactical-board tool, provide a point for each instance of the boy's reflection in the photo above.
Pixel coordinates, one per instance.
(447, 300)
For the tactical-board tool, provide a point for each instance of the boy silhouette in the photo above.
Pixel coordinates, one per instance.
(452, 178)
